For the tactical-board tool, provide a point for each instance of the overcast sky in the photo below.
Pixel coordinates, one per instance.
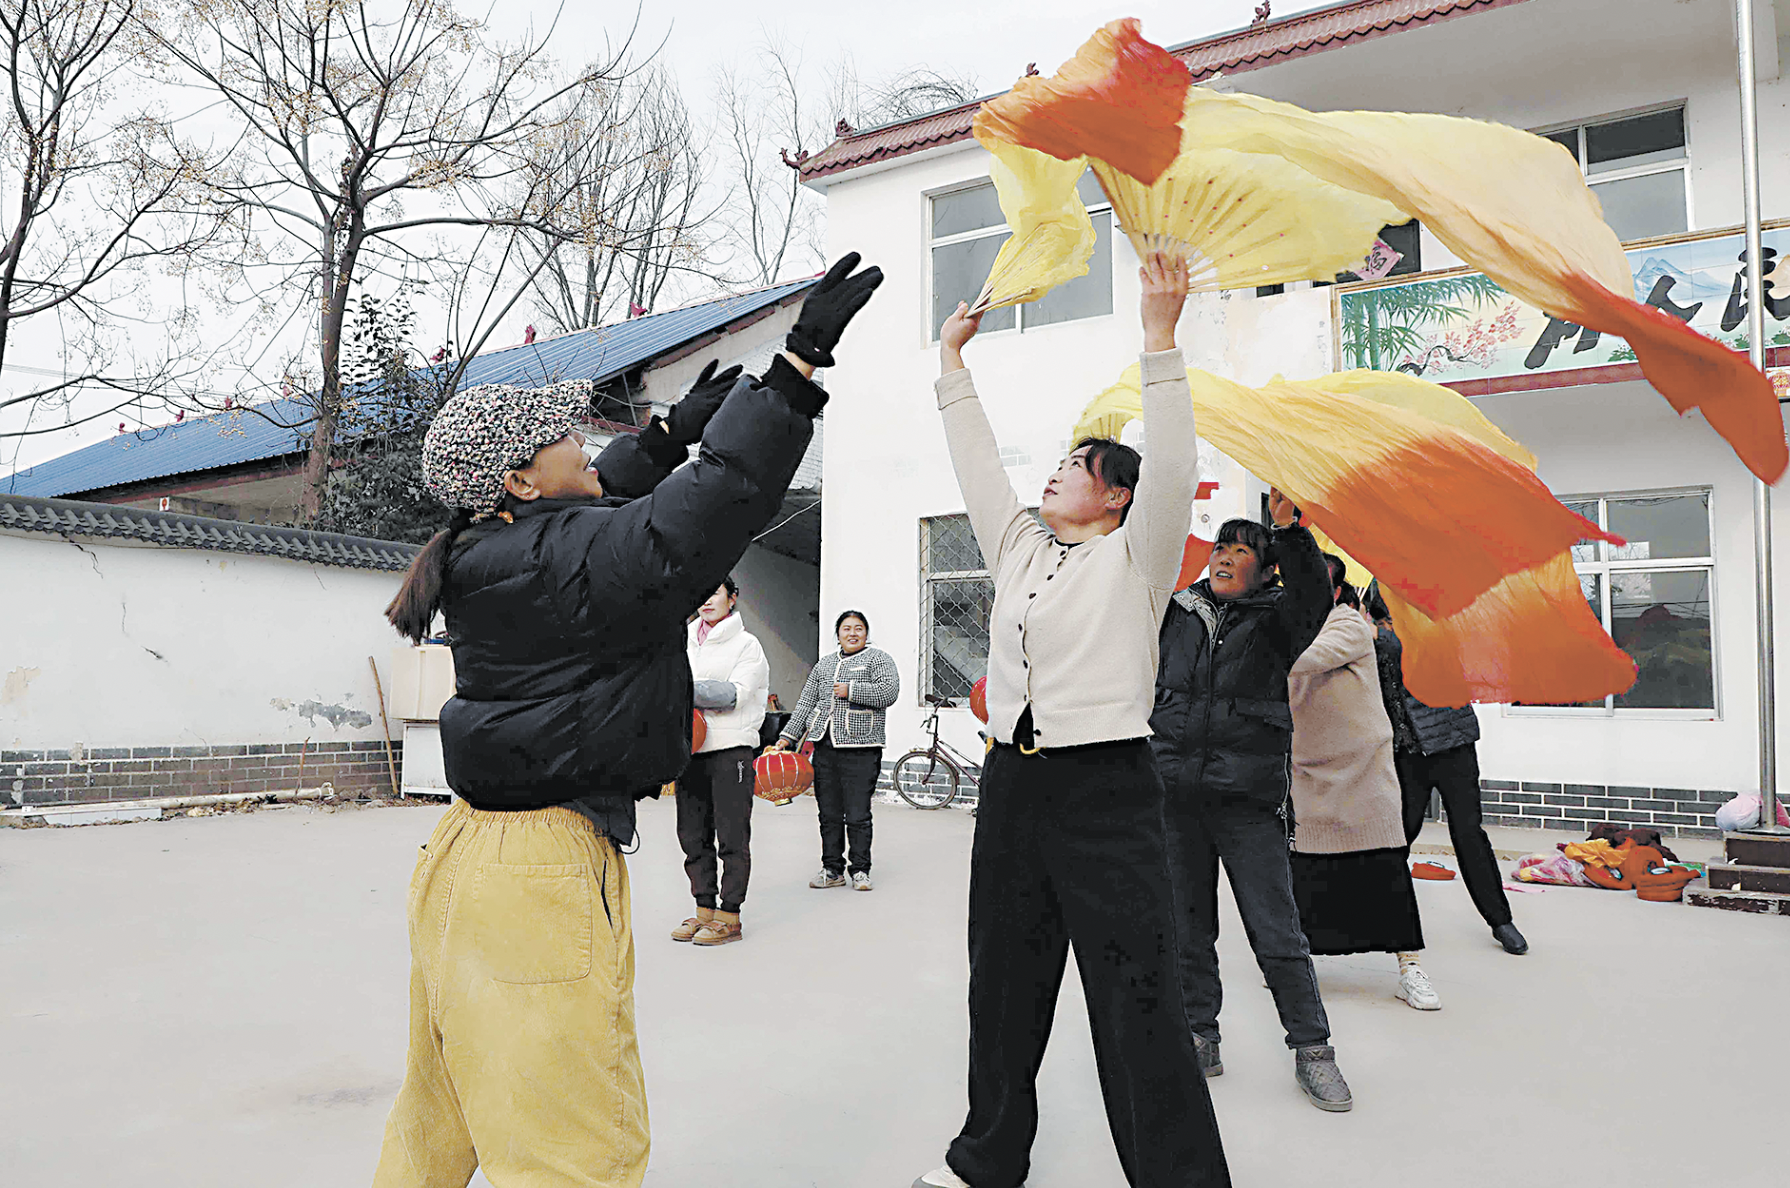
(990, 41)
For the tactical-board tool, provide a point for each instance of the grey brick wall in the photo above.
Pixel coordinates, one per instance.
(137, 773)
(1675, 812)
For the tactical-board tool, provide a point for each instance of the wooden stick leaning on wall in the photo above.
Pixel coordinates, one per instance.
(385, 728)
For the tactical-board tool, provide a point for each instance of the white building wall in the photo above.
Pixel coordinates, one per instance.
(110, 645)
(1534, 65)
(777, 599)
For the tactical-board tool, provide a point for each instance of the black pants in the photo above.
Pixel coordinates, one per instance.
(844, 781)
(714, 804)
(1251, 840)
(1069, 851)
(1455, 774)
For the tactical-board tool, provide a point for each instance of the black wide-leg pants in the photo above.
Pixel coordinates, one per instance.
(1069, 851)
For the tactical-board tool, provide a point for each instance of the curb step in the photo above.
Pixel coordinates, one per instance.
(1758, 903)
(1735, 876)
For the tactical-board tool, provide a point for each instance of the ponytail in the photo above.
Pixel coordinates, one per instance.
(412, 610)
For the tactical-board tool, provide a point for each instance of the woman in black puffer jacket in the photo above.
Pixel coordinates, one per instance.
(566, 603)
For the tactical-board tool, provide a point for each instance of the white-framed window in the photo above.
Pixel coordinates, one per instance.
(965, 229)
(956, 597)
(1639, 168)
(1654, 596)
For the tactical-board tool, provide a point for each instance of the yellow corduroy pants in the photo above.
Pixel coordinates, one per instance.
(523, 1057)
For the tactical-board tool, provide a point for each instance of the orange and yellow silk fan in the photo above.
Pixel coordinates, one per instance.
(1244, 219)
(1119, 97)
(1464, 536)
(1480, 188)
(1052, 238)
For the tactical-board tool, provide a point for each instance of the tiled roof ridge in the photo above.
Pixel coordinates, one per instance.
(647, 317)
(1234, 51)
(178, 530)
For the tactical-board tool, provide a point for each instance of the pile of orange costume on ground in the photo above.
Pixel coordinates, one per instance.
(1131, 109)
(1418, 489)
(1613, 859)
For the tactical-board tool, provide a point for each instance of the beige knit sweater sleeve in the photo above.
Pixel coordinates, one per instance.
(1162, 507)
(998, 518)
(1345, 638)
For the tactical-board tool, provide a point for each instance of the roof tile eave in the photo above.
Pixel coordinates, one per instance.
(67, 517)
(1232, 51)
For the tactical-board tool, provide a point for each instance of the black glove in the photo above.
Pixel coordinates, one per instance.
(690, 416)
(830, 304)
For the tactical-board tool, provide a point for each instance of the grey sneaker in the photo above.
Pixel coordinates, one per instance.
(944, 1177)
(827, 878)
(1210, 1064)
(860, 880)
(1315, 1070)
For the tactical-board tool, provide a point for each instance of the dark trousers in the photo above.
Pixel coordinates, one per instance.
(844, 781)
(1251, 840)
(1069, 851)
(714, 805)
(1455, 774)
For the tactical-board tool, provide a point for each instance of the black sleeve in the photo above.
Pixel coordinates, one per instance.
(680, 541)
(634, 463)
(1307, 600)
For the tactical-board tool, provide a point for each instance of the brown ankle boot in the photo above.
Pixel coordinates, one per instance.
(724, 928)
(689, 928)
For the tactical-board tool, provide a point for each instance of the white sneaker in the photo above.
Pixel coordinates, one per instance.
(1414, 987)
(860, 881)
(944, 1177)
(826, 878)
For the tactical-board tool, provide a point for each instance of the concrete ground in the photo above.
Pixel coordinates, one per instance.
(220, 1001)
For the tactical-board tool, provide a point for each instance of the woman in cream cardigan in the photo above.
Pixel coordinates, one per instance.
(1069, 848)
(1349, 851)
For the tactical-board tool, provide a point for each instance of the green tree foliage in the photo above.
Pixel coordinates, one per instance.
(391, 394)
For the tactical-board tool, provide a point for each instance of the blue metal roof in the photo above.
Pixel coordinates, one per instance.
(276, 428)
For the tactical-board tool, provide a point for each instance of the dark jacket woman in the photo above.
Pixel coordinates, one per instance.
(1222, 728)
(568, 626)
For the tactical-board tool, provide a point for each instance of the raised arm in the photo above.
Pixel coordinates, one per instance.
(996, 514)
(1162, 507)
(697, 523)
(1344, 639)
(1306, 602)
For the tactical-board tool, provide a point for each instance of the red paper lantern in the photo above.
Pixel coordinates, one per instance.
(781, 776)
(979, 700)
(699, 731)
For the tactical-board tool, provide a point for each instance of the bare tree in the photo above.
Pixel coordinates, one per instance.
(773, 120)
(100, 189)
(637, 164)
(767, 120)
(371, 134)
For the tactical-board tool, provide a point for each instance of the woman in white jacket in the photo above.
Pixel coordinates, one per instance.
(714, 795)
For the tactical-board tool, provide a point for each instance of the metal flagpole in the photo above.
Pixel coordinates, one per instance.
(1755, 285)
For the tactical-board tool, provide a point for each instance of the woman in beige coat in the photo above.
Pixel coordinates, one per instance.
(1349, 851)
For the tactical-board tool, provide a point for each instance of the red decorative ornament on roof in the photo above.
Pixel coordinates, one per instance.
(1119, 98)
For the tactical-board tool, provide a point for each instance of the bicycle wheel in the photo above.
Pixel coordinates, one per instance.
(926, 780)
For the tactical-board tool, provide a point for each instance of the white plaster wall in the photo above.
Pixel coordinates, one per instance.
(1622, 437)
(1552, 62)
(106, 645)
(777, 599)
(1532, 65)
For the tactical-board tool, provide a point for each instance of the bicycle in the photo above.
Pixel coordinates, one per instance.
(930, 777)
